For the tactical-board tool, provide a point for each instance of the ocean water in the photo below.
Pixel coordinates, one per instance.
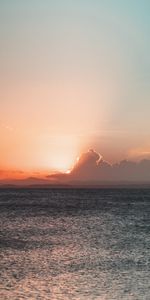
(75, 244)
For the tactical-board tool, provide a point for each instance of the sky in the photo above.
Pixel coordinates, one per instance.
(74, 75)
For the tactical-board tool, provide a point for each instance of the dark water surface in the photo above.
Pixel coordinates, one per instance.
(75, 244)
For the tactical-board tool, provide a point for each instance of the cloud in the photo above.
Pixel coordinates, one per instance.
(87, 161)
(91, 167)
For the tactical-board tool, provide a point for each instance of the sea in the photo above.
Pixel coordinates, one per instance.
(75, 244)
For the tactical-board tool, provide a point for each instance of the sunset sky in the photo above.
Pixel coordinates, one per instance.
(74, 75)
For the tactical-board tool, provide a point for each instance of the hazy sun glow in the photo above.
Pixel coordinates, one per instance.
(72, 79)
(62, 163)
(61, 153)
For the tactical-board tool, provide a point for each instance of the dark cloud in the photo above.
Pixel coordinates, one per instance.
(90, 166)
(86, 165)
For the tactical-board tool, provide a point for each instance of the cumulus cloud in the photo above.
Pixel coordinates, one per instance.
(91, 167)
(87, 161)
